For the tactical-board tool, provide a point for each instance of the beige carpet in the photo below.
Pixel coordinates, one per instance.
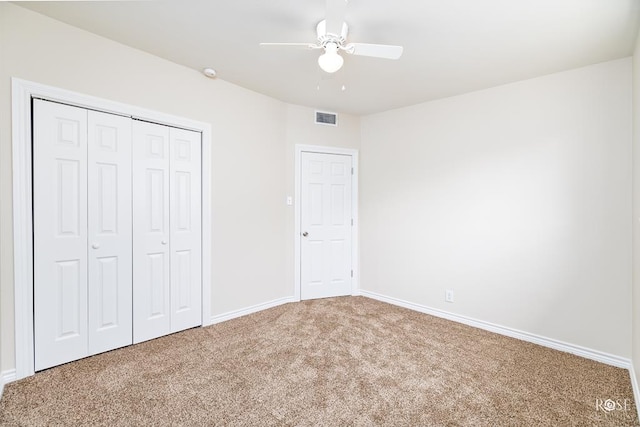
(333, 362)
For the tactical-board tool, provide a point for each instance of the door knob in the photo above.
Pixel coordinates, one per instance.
(164, 242)
(305, 234)
(96, 246)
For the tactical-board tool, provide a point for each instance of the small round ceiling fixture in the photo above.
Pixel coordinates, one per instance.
(209, 72)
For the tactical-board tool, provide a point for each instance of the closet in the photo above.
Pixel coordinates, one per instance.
(117, 231)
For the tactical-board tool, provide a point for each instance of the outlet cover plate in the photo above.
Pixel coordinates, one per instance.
(448, 295)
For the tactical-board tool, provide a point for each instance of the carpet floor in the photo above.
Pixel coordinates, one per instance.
(348, 361)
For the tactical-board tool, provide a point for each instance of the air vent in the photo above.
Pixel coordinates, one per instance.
(324, 118)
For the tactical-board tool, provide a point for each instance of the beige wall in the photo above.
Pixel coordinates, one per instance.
(516, 197)
(247, 154)
(252, 155)
(636, 212)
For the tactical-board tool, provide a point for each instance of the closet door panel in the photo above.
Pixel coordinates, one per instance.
(110, 232)
(60, 233)
(151, 255)
(185, 223)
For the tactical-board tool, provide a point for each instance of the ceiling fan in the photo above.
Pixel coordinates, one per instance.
(332, 37)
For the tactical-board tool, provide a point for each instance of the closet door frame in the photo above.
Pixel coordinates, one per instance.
(22, 93)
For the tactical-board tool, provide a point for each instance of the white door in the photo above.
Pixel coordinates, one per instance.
(167, 277)
(326, 225)
(60, 233)
(117, 232)
(109, 225)
(185, 224)
(151, 255)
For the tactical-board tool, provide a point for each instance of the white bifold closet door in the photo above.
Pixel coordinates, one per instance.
(167, 294)
(82, 232)
(110, 232)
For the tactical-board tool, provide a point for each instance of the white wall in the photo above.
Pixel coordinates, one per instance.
(248, 162)
(516, 197)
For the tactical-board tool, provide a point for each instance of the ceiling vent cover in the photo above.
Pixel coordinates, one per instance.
(325, 118)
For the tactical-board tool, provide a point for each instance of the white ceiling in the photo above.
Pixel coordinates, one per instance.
(450, 46)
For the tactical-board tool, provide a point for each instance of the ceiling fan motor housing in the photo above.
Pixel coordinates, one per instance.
(324, 37)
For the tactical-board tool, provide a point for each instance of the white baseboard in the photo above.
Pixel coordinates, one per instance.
(249, 310)
(587, 353)
(5, 378)
(9, 376)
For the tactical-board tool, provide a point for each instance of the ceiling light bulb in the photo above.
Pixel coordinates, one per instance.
(330, 61)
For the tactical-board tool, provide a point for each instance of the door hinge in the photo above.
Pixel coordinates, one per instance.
(351, 171)
(351, 273)
(352, 222)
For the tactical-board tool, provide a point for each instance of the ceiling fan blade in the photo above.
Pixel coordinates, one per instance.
(336, 9)
(294, 45)
(376, 50)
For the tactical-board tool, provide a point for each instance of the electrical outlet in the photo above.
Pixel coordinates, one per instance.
(448, 295)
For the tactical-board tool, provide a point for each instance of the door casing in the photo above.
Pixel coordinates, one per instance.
(300, 148)
(22, 93)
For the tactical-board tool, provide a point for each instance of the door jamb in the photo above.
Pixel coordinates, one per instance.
(355, 264)
(22, 92)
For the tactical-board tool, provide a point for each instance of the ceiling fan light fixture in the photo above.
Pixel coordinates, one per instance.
(330, 61)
